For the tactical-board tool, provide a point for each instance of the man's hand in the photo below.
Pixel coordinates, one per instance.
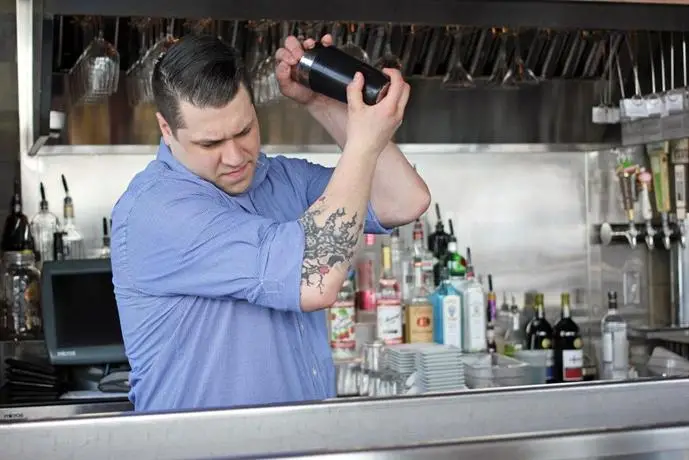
(289, 56)
(371, 128)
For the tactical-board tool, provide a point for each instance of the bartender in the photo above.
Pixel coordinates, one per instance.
(223, 259)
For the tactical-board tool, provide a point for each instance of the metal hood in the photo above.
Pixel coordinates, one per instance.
(554, 112)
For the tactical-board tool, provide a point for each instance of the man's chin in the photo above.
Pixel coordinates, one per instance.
(234, 187)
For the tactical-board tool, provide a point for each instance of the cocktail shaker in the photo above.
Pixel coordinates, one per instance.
(328, 70)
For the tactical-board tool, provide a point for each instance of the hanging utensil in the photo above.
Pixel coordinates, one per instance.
(674, 99)
(634, 107)
(655, 103)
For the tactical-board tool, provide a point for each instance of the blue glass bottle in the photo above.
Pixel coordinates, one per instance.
(447, 312)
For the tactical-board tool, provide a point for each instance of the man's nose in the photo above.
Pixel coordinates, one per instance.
(231, 155)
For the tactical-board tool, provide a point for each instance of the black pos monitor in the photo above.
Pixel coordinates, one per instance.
(80, 319)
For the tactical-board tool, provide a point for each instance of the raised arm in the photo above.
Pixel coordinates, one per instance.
(398, 194)
(333, 225)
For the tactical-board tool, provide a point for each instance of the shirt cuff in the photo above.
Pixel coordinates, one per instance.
(373, 225)
(281, 283)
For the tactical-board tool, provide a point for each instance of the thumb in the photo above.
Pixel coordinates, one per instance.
(355, 95)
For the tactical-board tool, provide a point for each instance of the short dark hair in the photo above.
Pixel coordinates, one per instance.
(201, 70)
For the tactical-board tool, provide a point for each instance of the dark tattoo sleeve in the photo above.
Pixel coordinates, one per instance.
(329, 244)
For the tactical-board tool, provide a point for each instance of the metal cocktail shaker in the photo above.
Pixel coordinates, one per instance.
(328, 70)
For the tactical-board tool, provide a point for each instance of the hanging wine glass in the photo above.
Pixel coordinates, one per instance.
(457, 77)
(352, 48)
(388, 60)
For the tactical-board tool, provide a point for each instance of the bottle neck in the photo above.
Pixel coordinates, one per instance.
(566, 311)
(387, 262)
(417, 234)
(540, 311)
(516, 322)
(68, 209)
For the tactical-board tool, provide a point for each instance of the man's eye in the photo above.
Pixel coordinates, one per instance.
(209, 145)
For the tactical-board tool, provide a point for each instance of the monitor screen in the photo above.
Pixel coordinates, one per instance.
(85, 310)
(80, 318)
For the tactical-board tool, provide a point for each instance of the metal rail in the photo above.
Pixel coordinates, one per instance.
(654, 443)
(352, 425)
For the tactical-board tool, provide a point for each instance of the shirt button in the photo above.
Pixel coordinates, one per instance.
(301, 326)
(314, 371)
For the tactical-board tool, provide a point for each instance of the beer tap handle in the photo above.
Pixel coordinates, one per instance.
(626, 178)
(658, 155)
(646, 208)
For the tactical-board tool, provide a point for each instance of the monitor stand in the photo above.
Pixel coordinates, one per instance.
(87, 378)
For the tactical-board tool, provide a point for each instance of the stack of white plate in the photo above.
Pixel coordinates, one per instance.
(439, 369)
(402, 358)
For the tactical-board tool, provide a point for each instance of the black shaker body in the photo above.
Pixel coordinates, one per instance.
(328, 70)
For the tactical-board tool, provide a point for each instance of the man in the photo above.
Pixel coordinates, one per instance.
(223, 258)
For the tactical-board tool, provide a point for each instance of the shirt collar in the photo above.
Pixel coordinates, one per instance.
(165, 155)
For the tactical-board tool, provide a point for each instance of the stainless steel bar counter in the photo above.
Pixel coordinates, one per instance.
(352, 425)
(649, 443)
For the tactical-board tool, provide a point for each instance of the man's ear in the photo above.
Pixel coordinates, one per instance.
(165, 129)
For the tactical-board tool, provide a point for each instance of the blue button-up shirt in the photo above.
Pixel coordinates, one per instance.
(207, 287)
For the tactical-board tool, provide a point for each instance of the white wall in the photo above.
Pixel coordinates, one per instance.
(523, 214)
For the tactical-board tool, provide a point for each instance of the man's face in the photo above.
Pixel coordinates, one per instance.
(219, 145)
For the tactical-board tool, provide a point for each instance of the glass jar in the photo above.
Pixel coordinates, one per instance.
(20, 297)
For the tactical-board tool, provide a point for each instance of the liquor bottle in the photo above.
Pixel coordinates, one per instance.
(567, 346)
(491, 305)
(455, 263)
(397, 248)
(418, 252)
(437, 241)
(615, 359)
(514, 337)
(541, 335)
(16, 235)
(419, 311)
(43, 226)
(474, 313)
(72, 237)
(447, 313)
(365, 281)
(388, 303)
(341, 324)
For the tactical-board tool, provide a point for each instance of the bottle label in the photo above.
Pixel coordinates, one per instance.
(389, 323)
(476, 324)
(452, 321)
(572, 363)
(420, 323)
(615, 345)
(342, 319)
(366, 300)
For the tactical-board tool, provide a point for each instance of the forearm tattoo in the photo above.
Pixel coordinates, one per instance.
(329, 244)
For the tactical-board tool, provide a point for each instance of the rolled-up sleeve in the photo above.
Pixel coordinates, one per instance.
(181, 243)
(316, 178)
